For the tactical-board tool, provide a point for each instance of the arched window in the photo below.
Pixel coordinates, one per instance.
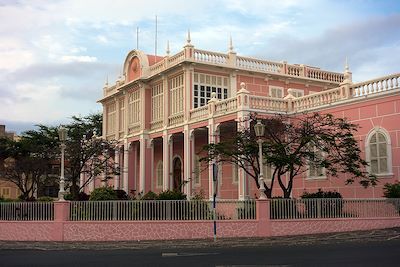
(378, 152)
(315, 170)
(159, 173)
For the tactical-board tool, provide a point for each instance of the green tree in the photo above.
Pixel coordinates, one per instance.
(86, 152)
(26, 162)
(293, 144)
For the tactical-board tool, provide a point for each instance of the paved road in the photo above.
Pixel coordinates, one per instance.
(371, 248)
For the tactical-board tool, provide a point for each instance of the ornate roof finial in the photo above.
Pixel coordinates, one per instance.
(106, 83)
(230, 44)
(188, 40)
(168, 51)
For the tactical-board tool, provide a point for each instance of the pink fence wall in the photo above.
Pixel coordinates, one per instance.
(63, 230)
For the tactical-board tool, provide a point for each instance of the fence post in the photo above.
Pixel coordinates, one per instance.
(263, 217)
(61, 211)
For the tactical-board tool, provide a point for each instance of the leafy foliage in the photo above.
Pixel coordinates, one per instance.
(322, 194)
(391, 190)
(290, 144)
(103, 193)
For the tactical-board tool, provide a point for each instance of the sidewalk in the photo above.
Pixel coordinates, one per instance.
(358, 236)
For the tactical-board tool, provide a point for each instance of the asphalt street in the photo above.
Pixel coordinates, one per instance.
(368, 248)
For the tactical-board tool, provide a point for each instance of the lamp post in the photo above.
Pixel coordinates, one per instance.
(259, 128)
(62, 133)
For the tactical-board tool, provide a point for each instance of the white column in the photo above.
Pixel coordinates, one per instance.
(193, 159)
(170, 158)
(211, 140)
(142, 164)
(152, 182)
(187, 157)
(242, 184)
(125, 167)
(116, 166)
(165, 161)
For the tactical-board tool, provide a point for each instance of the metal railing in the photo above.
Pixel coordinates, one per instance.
(333, 208)
(26, 211)
(161, 210)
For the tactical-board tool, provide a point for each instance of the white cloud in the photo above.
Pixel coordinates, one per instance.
(14, 54)
(69, 59)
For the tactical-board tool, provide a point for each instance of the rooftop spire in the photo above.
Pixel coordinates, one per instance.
(346, 66)
(230, 44)
(188, 40)
(168, 51)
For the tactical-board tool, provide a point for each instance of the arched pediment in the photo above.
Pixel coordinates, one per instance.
(136, 65)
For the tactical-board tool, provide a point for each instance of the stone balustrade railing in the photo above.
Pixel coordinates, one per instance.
(316, 99)
(210, 57)
(376, 86)
(156, 124)
(199, 113)
(268, 103)
(295, 70)
(260, 65)
(133, 128)
(177, 58)
(226, 106)
(175, 119)
(324, 75)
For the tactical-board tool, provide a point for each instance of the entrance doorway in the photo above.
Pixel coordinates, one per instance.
(177, 166)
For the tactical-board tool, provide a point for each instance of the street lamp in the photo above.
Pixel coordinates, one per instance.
(259, 128)
(62, 134)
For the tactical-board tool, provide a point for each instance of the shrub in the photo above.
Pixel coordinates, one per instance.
(322, 194)
(149, 196)
(45, 199)
(121, 194)
(171, 195)
(103, 193)
(391, 190)
(81, 197)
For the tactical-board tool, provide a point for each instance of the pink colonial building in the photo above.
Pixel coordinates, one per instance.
(163, 110)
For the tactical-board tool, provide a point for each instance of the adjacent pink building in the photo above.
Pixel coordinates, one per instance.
(164, 109)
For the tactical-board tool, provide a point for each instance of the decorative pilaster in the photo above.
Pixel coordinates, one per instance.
(125, 167)
(166, 160)
(116, 166)
(187, 158)
(144, 166)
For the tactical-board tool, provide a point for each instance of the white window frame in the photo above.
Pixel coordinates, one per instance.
(157, 102)
(388, 150)
(271, 88)
(323, 170)
(209, 83)
(297, 91)
(111, 117)
(159, 176)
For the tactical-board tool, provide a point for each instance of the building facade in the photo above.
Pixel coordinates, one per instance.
(163, 110)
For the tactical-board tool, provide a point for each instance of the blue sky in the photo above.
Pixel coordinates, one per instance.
(55, 55)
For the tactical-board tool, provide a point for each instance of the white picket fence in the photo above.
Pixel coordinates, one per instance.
(26, 211)
(333, 208)
(161, 210)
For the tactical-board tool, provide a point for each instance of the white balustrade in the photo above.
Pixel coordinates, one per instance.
(258, 65)
(175, 119)
(324, 75)
(316, 99)
(199, 113)
(177, 58)
(156, 124)
(268, 103)
(376, 86)
(294, 70)
(210, 57)
(226, 106)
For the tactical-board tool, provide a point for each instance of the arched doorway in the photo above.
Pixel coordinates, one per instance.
(177, 167)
